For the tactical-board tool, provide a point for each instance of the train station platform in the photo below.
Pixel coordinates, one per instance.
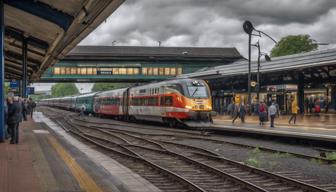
(49, 159)
(312, 127)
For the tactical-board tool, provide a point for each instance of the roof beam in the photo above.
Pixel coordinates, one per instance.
(43, 11)
(18, 35)
(10, 54)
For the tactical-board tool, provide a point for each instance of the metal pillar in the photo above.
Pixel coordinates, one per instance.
(249, 71)
(300, 93)
(333, 97)
(2, 74)
(258, 72)
(24, 68)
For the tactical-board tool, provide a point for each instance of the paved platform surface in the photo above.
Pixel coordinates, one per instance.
(44, 160)
(322, 127)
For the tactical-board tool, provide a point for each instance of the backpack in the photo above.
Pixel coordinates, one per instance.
(317, 108)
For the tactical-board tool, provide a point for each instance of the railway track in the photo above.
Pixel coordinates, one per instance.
(198, 136)
(204, 170)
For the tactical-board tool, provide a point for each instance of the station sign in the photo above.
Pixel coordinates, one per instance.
(104, 72)
(30, 90)
(14, 84)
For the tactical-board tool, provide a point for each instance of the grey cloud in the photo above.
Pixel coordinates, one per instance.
(216, 23)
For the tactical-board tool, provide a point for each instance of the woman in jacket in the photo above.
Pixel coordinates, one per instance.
(295, 110)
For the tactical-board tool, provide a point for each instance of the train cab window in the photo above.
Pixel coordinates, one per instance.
(176, 87)
(167, 101)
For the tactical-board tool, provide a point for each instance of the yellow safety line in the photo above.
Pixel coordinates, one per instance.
(84, 180)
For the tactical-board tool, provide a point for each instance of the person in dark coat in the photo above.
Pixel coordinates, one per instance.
(24, 109)
(14, 118)
(32, 106)
(242, 112)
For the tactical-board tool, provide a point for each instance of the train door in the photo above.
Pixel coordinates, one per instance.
(125, 102)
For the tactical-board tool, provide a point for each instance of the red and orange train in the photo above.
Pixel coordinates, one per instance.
(178, 101)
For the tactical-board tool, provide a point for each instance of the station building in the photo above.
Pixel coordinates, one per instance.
(135, 63)
(308, 77)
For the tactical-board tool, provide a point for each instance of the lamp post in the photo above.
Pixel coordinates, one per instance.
(248, 28)
(267, 58)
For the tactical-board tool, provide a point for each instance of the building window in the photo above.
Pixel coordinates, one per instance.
(161, 71)
(68, 70)
(130, 71)
(155, 71)
(89, 71)
(144, 71)
(115, 71)
(83, 71)
(173, 71)
(73, 71)
(122, 71)
(78, 71)
(62, 70)
(94, 71)
(150, 71)
(57, 71)
(179, 71)
(136, 71)
(167, 71)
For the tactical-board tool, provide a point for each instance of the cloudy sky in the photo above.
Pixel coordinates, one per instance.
(215, 23)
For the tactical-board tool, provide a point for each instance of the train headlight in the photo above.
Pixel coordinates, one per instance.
(188, 107)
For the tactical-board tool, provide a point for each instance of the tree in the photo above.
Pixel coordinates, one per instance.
(293, 44)
(107, 86)
(63, 89)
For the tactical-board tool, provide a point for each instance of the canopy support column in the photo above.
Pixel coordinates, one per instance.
(24, 68)
(300, 93)
(2, 74)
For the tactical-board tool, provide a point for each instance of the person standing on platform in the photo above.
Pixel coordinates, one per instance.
(235, 112)
(272, 111)
(31, 106)
(14, 118)
(24, 109)
(262, 113)
(295, 110)
(242, 112)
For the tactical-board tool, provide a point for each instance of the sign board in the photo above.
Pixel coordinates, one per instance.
(30, 90)
(14, 84)
(104, 72)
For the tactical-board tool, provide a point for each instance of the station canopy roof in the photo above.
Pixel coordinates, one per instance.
(51, 28)
(321, 63)
(153, 53)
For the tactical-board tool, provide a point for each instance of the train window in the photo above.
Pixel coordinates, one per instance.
(161, 71)
(142, 91)
(155, 71)
(57, 71)
(168, 101)
(167, 71)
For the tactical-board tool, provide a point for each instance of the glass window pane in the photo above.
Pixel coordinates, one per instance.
(144, 71)
(94, 71)
(155, 71)
(150, 71)
(161, 71)
(173, 71)
(130, 71)
(136, 71)
(167, 71)
(68, 70)
(78, 71)
(83, 71)
(179, 71)
(62, 70)
(89, 71)
(73, 70)
(122, 71)
(115, 71)
(57, 71)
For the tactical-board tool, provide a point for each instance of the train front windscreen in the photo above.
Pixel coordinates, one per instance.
(197, 89)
